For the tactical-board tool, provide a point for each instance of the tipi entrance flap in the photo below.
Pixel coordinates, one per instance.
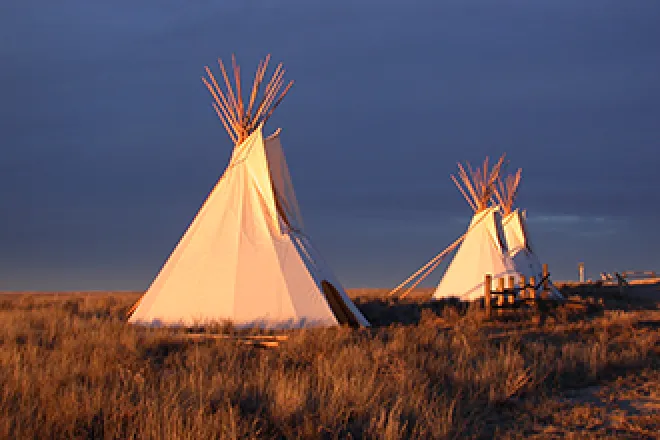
(320, 270)
(341, 311)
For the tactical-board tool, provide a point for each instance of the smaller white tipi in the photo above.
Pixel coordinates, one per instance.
(245, 258)
(483, 250)
(514, 224)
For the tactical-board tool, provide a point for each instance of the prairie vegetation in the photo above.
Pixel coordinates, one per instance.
(70, 367)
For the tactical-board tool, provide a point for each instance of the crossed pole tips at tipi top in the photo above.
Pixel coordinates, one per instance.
(505, 191)
(240, 120)
(477, 186)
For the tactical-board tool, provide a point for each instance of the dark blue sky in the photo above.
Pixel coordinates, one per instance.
(110, 144)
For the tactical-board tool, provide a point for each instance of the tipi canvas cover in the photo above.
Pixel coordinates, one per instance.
(520, 249)
(246, 258)
(514, 224)
(482, 252)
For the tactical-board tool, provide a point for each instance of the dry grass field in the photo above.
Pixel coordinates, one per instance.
(70, 367)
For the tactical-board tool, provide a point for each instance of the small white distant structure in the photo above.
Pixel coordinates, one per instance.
(246, 257)
(581, 272)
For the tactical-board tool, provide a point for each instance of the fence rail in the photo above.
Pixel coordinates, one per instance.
(639, 273)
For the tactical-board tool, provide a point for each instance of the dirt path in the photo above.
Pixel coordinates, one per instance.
(626, 408)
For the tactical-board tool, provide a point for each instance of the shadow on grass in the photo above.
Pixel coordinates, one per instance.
(386, 312)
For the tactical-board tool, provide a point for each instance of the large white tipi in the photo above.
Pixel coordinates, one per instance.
(514, 224)
(245, 258)
(483, 250)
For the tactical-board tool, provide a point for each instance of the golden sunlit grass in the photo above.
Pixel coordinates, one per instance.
(70, 367)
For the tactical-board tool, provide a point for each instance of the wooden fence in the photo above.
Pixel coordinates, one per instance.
(527, 292)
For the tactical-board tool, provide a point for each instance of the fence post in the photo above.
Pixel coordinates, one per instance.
(488, 279)
(532, 289)
(512, 288)
(500, 289)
